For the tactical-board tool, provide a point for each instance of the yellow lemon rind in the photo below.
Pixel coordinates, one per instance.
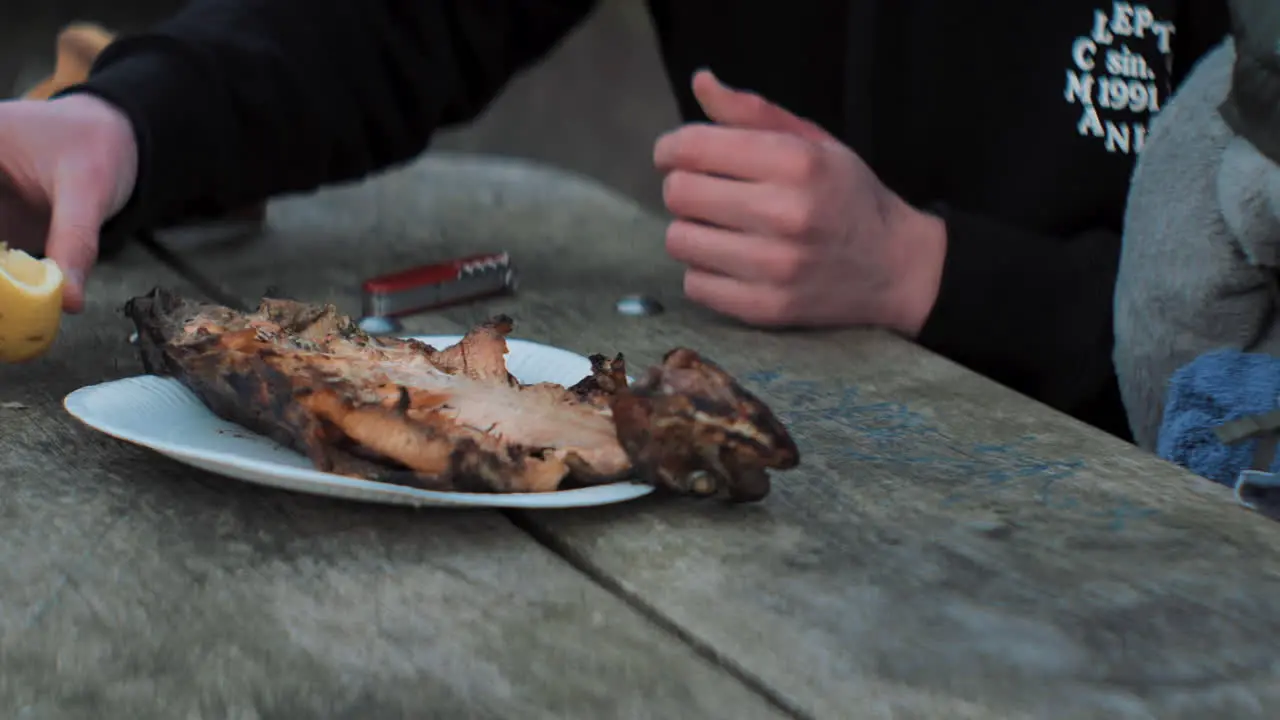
(30, 310)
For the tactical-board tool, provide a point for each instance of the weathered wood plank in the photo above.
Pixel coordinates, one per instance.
(947, 549)
(134, 587)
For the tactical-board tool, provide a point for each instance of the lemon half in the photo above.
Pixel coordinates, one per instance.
(30, 305)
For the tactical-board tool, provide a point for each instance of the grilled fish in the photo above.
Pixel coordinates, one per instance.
(454, 419)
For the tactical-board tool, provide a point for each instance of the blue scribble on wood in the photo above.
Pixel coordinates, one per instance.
(892, 435)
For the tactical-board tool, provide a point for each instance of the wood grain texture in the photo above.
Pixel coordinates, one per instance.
(135, 587)
(947, 548)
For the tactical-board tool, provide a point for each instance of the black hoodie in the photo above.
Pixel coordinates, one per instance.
(1016, 121)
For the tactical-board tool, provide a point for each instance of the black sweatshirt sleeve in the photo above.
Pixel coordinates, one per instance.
(1034, 312)
(235, 101)
(1029, 311)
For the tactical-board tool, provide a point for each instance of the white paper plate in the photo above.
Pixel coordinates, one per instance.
(161, 414)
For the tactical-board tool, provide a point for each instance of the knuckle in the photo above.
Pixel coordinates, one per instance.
(796, 217)
(670, 187)
(95, 140)
(676, 238)
(697, 291)
(677, 188)
(666, 150)
(774, 309)
(93, 169)
(685, 145)
(673, 233)
(789, 265)
(806, 163)
(88, 179)
(695, 135)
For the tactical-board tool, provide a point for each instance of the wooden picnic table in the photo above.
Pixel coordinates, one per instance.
(947, 549)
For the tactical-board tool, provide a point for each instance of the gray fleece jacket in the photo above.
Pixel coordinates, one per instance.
(1201, 244)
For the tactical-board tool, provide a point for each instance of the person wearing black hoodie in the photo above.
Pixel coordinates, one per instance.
(953, 171)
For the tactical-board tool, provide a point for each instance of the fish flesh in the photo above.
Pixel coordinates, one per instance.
(454, 418)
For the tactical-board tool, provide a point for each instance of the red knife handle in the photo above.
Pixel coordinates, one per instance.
(439, 284)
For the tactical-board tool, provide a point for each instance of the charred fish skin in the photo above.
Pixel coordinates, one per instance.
(310, 379)
(608, 376)
(692, 428)
(257, 398)
(754, 422)
(149, 314)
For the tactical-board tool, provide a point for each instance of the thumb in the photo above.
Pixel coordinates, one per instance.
(73, 240)
(728, 106)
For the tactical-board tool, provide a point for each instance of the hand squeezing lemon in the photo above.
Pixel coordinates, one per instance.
(30, 305)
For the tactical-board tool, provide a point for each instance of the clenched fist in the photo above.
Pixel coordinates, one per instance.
(779, 223)
(66, 165)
